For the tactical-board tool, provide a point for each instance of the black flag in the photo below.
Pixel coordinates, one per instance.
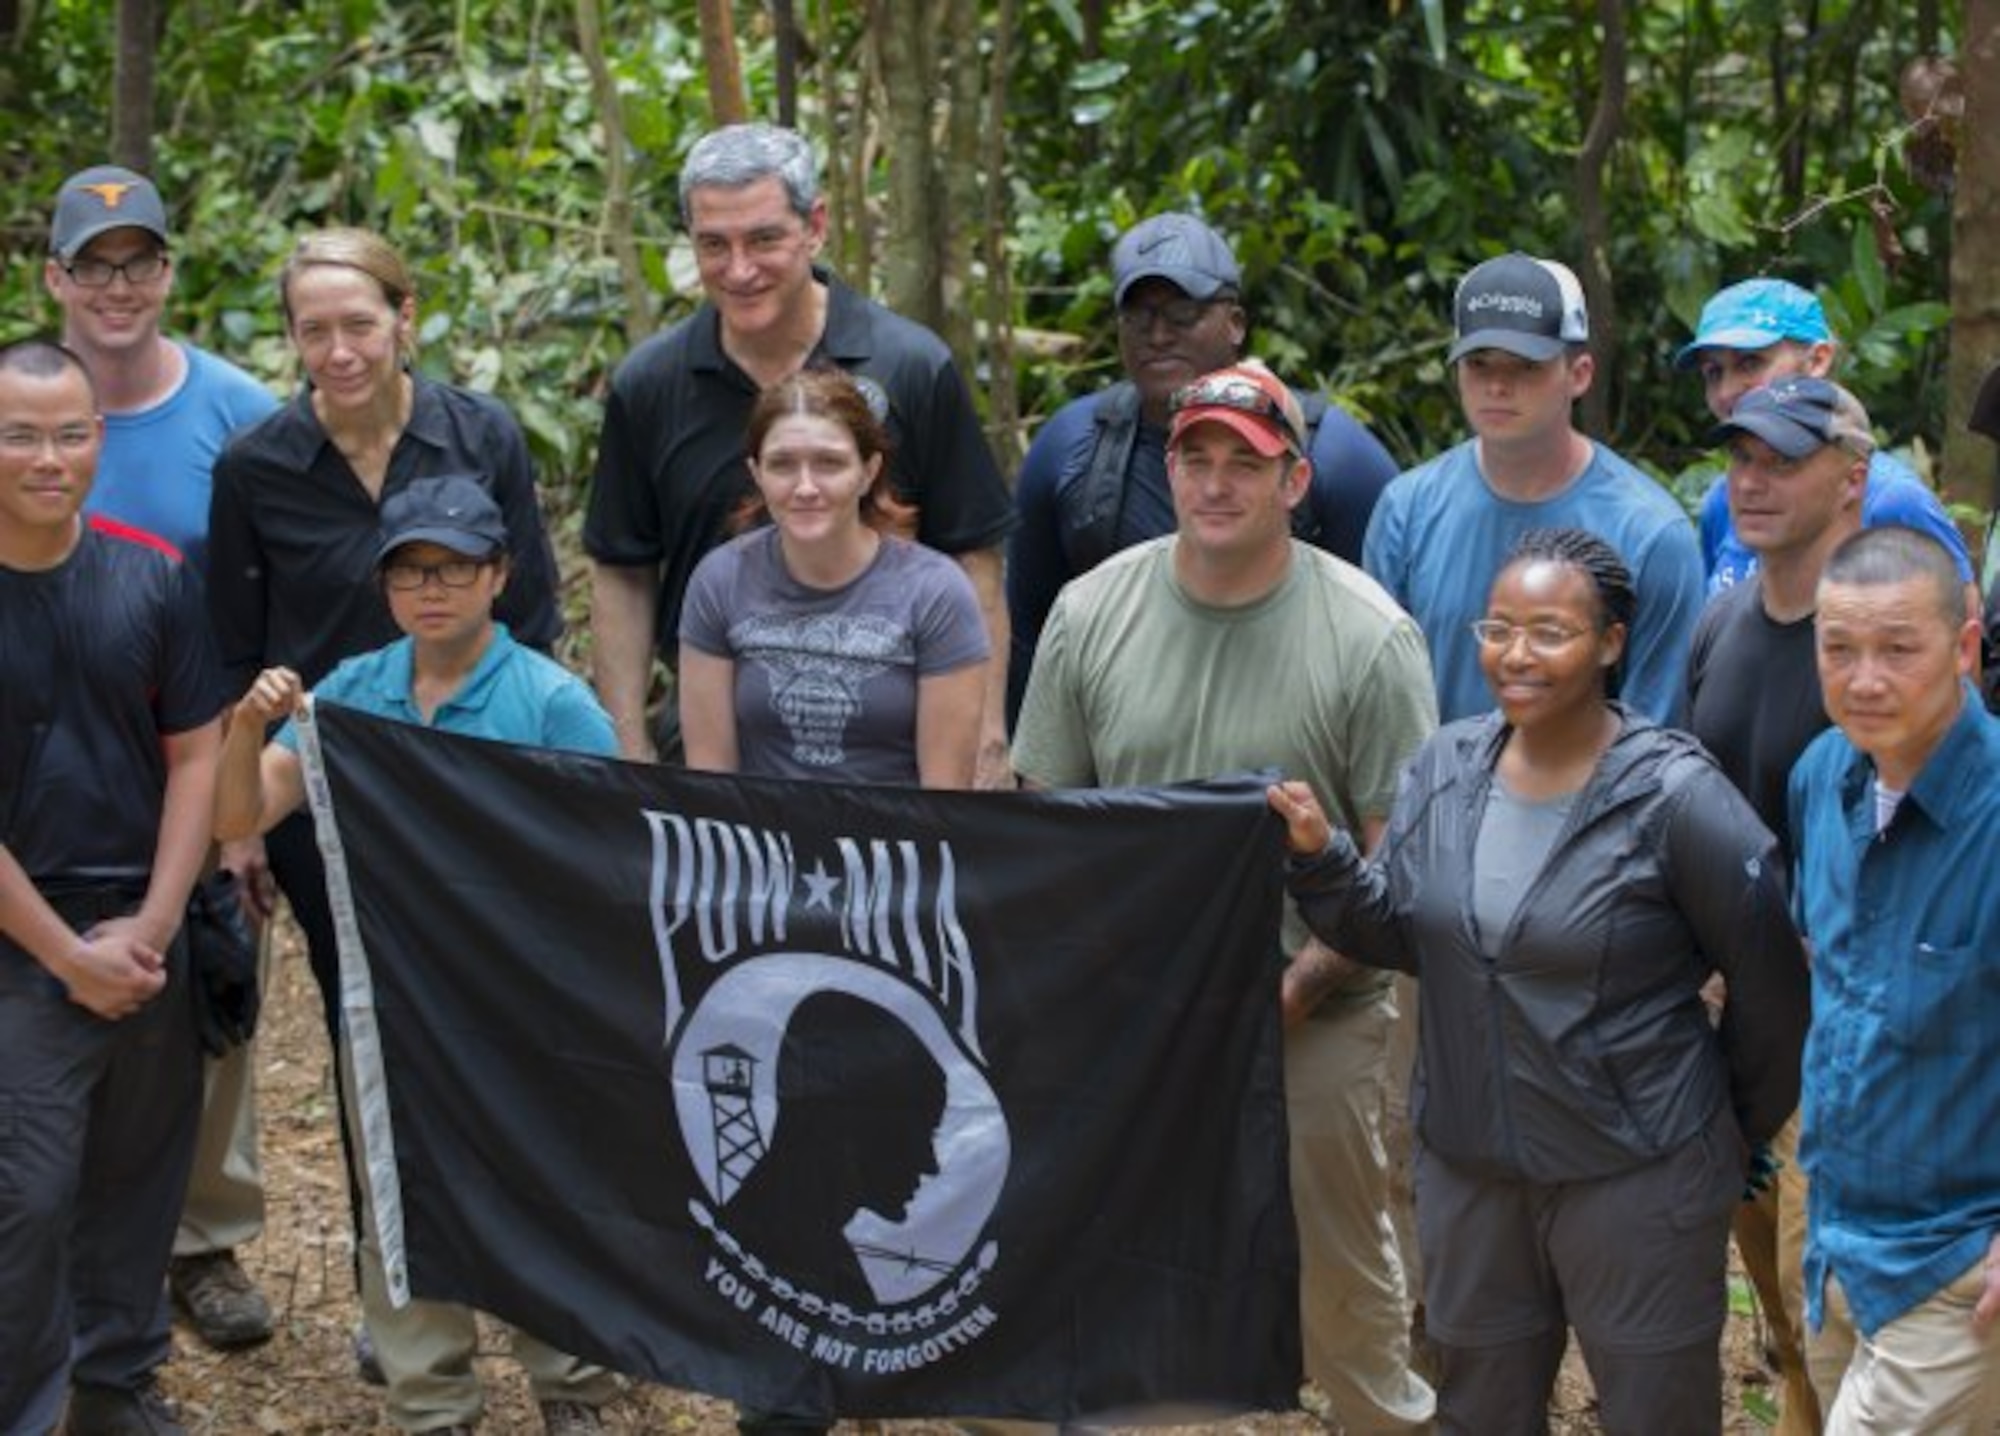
(831, 1100)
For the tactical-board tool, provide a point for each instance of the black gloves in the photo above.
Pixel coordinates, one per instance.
(222, 960)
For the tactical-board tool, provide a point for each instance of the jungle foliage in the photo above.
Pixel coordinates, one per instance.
(1361, 157)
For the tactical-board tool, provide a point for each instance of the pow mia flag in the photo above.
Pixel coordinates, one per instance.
(843, 1101)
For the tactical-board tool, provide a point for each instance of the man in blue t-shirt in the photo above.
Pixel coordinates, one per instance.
(1753, 334)
(168, 406)
(1441, 530)
(1095, 479)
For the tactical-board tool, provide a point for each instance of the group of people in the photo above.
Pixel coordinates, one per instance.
(1672, 762)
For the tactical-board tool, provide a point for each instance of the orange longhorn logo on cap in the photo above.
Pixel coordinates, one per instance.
(112, 192)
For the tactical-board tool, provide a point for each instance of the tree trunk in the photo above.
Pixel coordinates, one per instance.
(719, 62)
(962, 212)
(785, 40)
(912, 267)
(1969, 469)
(1606, 120)
(132, 86)
(618, 231)
(1003, 418)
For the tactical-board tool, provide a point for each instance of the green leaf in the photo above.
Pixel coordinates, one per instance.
(1434, 28)
(1070, 18)
(438, 134)
(1866, 266)
(1099, 75)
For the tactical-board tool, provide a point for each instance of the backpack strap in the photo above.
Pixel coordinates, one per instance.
(1093, 502)
(1305, 517)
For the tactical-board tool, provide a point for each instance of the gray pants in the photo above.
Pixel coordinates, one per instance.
(97, 1127)
(1634, 1262)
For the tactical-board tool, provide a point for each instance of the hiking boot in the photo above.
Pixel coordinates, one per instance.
(121, 1411)
(570, 1418)
(367, 1365)
(221, 1302)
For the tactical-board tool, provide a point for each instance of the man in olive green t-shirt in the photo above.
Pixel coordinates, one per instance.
(1229, 646)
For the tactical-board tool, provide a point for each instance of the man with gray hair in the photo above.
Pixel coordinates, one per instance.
(670, 481)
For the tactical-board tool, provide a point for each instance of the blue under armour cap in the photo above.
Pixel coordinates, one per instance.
(1755, 315)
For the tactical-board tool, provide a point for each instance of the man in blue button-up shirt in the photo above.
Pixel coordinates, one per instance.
(1896, 821)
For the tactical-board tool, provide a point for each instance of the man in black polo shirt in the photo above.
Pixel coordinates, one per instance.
(670, 477)
(109, 729)
(1798, 467)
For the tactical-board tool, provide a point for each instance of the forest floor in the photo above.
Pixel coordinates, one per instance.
(304, 1379)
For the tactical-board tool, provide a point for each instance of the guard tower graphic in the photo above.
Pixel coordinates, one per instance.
(726, 1071)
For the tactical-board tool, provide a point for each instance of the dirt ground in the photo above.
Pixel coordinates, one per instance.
(304, 1380)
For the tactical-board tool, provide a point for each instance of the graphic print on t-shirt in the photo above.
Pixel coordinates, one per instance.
(816, 666)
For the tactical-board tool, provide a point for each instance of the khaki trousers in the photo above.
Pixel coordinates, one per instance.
(1354, 1306)
(1929, 1370)
(426, 1348)
(224, 1208)
(1771, 1237)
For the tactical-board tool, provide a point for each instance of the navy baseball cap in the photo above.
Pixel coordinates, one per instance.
(1799, 416)
(1177, 248)
(1529, 307)
(1755, 315)
(104, 197)
(453, 511)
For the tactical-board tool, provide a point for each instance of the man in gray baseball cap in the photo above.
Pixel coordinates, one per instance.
(103, 198)
(1095, 479)
(168, 406)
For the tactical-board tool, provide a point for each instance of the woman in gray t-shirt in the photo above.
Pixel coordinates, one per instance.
(819, 645)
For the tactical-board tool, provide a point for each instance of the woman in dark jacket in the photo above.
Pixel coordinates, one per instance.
(1562, 876)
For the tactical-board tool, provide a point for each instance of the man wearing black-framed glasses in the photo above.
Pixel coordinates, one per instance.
(168, 406)
(1095, 479)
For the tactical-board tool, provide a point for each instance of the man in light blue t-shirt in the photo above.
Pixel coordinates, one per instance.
(1441, 530)
(1756, 333)
(168, 406)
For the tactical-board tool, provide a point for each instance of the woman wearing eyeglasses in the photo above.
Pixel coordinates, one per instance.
(1562, 876)
(297, 507)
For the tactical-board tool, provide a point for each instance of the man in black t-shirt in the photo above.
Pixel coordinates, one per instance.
(109, 728)
(670, 478)
(1798, 465)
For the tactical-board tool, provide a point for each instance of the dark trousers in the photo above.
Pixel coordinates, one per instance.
(97, 1132)
(1634, 1262)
